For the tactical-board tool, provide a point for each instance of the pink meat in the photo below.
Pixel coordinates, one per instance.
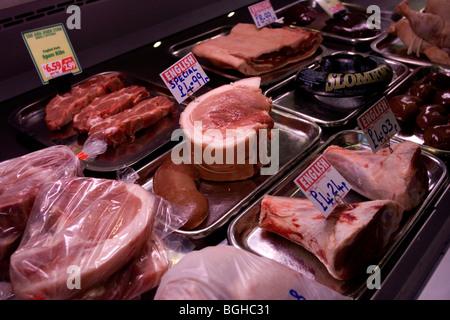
(97, 225)
(108, 105)
(62, 108)
(118, 128)
(346, 242)
(400, 176)
(20, 181)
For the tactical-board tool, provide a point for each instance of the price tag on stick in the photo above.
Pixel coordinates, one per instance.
(323, 185)
(378, 124)
(184, 77)
(262, 13)
(51, 51)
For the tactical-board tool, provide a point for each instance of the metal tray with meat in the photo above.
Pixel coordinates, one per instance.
(228, 198)
(425, 95)
(310, 15)
(31, 120)
(246, 231)
(327, 111)
(391, 46)
(180, 49)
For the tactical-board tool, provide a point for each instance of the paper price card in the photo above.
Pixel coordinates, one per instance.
(262, 13)
(184, 77)
(323, 185)
(51, 51)
(332, 7)
(378, 124)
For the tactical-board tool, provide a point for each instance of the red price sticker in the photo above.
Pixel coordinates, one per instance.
(323, 185)
(58, 67)
(378, 124)
(331, 7)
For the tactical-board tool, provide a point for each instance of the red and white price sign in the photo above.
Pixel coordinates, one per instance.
(184, 77)
(378, 124)
(262, 13)
(58, 67)
(323, 185)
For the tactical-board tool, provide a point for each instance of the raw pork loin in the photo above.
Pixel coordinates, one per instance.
(61, 109)
(254, 51)
(400, 176)
(346, 242)
(229, 116)
(96, 226)
(20, 181)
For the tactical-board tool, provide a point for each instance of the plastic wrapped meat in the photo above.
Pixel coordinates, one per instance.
(400, 176)
(227, 273)
(340, 241)
(81, 230)
(21, 179)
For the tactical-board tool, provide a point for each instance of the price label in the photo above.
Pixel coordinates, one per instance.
(184, 77)
(378, 124)
(323, 185)
(262, 13)
(57, 67)
(332, 7)
(51, 51)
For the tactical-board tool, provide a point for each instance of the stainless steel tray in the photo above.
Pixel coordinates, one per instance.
(412, 132)
(226, 199)
(391, 46)
(31, 120)
(244, 231)
(322, 17)
(331, 112)
(180, 49)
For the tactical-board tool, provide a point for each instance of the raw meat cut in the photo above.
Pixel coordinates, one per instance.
(350, 239)
(117, 128)
(96, 226)
(224, 121)
(21, 179)
(400, 176)
(426, 32)
(227, 273)
(254, 51)
(139, 276)
(61, 109)
(107, 106)
(178, 183)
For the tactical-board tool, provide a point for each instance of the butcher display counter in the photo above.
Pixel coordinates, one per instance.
(306, 126)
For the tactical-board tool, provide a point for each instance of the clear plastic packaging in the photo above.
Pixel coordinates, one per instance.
(92, 238)
(227, 273)
(20, 181)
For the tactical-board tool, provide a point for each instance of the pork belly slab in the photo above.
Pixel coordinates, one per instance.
(400, 176)
(346, 242)
(254, 51)
(62, 108)
(96, 226)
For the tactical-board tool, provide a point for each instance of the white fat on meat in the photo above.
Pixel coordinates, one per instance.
(227, 119)
(97, 226)
(351, 238)
(400, 176)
